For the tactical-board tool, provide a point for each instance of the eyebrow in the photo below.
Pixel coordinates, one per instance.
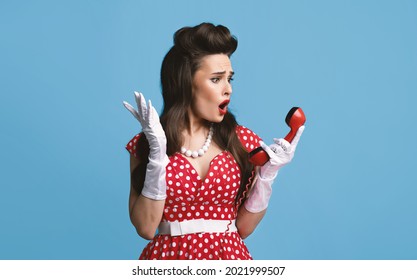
(222, 73)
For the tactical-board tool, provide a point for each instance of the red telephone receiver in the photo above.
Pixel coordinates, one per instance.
(294, 119)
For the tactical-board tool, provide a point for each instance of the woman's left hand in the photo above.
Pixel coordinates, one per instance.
(281, 152)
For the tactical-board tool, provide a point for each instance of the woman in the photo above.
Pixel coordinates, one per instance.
(191, 181)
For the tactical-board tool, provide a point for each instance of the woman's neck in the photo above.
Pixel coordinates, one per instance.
(196, 126)
(195, 133)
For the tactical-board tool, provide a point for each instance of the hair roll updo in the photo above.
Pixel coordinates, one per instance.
(191, 45)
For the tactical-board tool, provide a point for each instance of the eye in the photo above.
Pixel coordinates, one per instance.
(215, 80)
(230, 79)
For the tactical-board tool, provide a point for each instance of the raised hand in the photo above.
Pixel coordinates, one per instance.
(154, 186)
(151, 126)
(281, 152)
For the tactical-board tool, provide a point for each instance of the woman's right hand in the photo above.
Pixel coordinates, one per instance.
(154, 186)
(151, 126)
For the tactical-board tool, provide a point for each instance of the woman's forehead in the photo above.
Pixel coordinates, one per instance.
(216, 63)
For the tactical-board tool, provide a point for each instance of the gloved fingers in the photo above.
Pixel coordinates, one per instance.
(284, 144)
(297, 136)
(271, 153)
(149, 113)
(153, 114)
(141, 102)
(131, 110)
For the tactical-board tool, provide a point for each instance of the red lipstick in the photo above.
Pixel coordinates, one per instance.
(223, 107)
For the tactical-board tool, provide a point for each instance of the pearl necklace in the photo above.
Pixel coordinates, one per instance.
(203, 149)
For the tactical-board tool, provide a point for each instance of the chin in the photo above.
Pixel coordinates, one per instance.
(218, 119)
(215, 118)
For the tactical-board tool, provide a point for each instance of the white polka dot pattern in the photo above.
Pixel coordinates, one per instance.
(248, 138)
(191, 197)
(131, 146)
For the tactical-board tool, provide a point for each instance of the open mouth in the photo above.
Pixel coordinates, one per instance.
(223, 107)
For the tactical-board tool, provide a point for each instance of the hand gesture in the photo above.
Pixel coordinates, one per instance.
(281, 152)
(151, 126)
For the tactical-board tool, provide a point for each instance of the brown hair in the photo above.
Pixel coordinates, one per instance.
(181, 62)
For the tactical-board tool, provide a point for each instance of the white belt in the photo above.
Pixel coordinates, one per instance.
(196, 226)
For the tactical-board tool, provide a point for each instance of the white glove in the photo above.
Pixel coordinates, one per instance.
(280, 153)
(155, 183)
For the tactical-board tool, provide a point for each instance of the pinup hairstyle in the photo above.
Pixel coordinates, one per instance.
(191, 45)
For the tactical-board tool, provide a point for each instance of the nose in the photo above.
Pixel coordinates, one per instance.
(227, 89)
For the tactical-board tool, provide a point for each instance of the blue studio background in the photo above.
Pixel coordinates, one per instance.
(66, 67)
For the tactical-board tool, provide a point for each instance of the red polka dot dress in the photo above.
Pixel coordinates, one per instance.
(190, 197)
